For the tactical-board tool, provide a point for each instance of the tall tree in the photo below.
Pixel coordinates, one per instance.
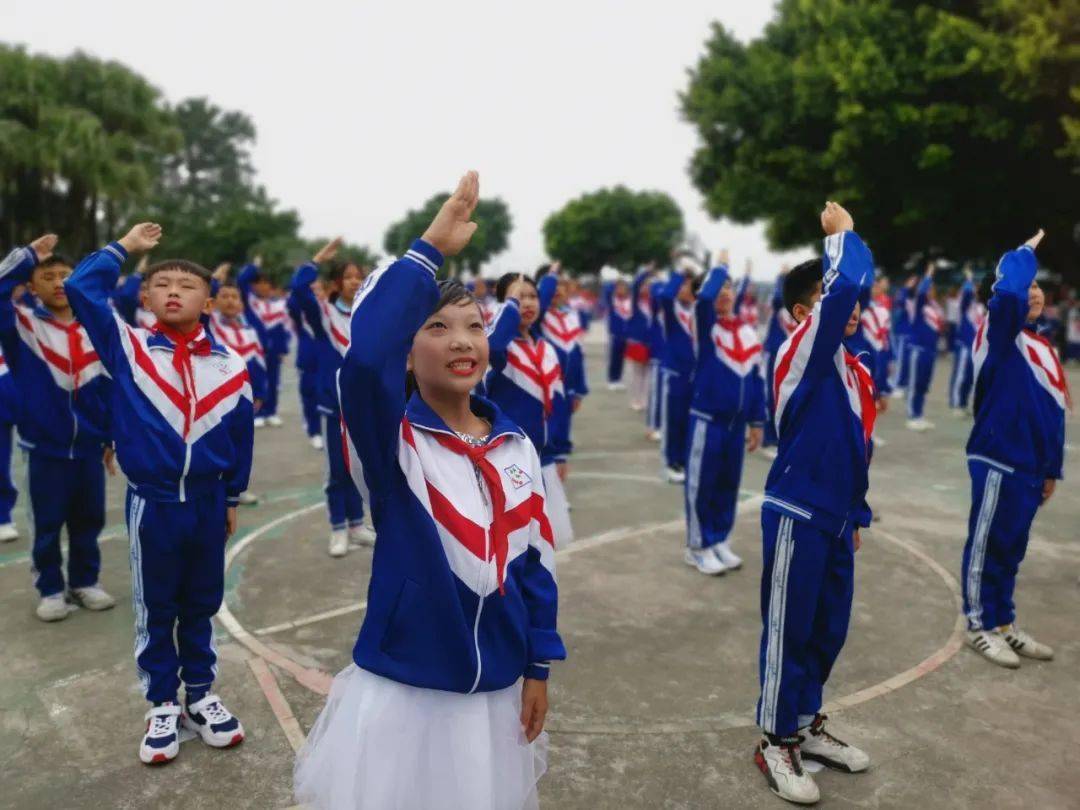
(491, 238)
(951, 126)
(614, 226)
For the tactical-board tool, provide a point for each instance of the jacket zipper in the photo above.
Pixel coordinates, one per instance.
(484, 580)
(74, 423)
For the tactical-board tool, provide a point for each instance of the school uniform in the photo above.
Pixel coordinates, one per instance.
(307, 367)
(676, 371)
(927, 321)
(1072, 333)
(8, 411)
(653, 420)
(183, 430)
(329, 323)
(728, 395)
(561, 327)
(963, 372)
(781, 325)
(62, 409)
(814, 496)
(870, 343)
(1016, 443)
(637, 341)
(901, 331)
(239, 336)
(268, 316)
(619, 312)
(462, 599)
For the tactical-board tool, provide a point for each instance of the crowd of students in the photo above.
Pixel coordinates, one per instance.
(446, 411)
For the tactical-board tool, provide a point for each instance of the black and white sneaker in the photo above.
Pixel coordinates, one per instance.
(213, 722)
(780, 762)
(818, 745)
(1023, 643)
(991, 644)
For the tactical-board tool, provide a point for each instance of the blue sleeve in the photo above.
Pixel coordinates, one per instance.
(302, 298)
(922, 293)
(666, 299)
(242, 431)
(558, 430)
(579, 383)
(705, 307)
(545, 290)
(608, 292)
(849, 268)
(125, 297)
(1008, 307)
(740, 293)
(389, 309)
(244, 280)
(502, 332)
(15, 269)
(863, 516)
(635, 293)
(257, 376)
(88, 291)
(778, 294)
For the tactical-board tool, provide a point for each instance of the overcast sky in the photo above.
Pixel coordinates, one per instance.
(365, 109)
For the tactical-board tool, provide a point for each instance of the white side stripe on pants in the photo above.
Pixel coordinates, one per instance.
(991, 488)
(664, 384)
(774, 646)
(693, 481)
(913, 365)
(959, 371)
(138, 601)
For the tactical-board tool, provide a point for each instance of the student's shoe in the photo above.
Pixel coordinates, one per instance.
(898, 393)
(959, 413)
(247, 499)
(339, 543)
(616, 386)
(674, 475)
(1023, 643)
(769, 452)
(53, 608)
(993, 646)
(780, 762)
(654, 435)
(818, 745)
(213, 722)
(260, 421)
(92, 597)
(161, 743)
(878, 441)
(361, 536)
(728, 558)
(8, 532)
(920, 425)
(704, 561)
(317, 442)
(637, 407)
(274, 421)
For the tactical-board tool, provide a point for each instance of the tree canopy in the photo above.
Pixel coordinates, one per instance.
(614, 226)
(492, 218)
(945, 126)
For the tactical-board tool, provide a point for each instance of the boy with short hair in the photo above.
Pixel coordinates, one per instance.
(813, 508)
(63, 420)
(1015, 455)
(927, 323)
(184, 435)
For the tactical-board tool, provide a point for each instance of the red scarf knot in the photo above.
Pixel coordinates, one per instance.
(867, 395)
(185, 346)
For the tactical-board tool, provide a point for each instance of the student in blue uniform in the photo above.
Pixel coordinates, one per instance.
(8, 492)
(653, 408)
(183, 419)
(619, 311)
(815, 503)
(307, 368)
(676, 303)
(1015, 454)
(63, 416)
(927, 321)
(780, 327)
(560, 325)
(963, 372)
(637, 339)
(726, 413)
(267, 313)
(445, 701)
(901, 332)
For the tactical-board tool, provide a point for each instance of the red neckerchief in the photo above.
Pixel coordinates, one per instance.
(75, 352)
(866, 395)
(477, 454)
(1059, 372)
(535, 353)
(194, 342)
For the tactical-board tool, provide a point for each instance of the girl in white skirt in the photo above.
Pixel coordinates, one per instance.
(444, 705)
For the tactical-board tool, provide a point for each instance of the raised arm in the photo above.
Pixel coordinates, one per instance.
(666, 301)
(635, 290)
(502, 332)
(15, 269)
(1008, 307)
(125, 296)
(705, 308)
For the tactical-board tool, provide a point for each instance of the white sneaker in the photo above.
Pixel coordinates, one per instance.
(213, 722)
(274, 421)
(920, 425)
(769, 452)
(8, 532)
(655, 435)
(92, 597)
(616, 386)
(878, 441)
(247, 499)
(959, 413)
(674, 475)
(704, 561)
(53, 608)
(728, 558)
(781, 765)
(898, 393)
(818, 745)
(992, 645)
(361, 536)
(161, 743)
(260, 421)
(1023, 643)
(317, 442)
(339, 543)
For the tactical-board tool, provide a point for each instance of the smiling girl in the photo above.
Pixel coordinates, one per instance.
(444, 703)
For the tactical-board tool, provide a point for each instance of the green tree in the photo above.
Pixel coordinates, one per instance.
(491, 238)
(614, 226)
(951, 126)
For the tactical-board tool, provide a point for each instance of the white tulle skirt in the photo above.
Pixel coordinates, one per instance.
(383, 745)
(558, 507)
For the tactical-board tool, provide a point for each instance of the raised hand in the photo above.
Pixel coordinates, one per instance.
(1033, 242)
(722, 257)
(451, 229)
(43, 246)
(143, 237)
(328, 251)
(221, 272)
(144, 262)
(836, 219)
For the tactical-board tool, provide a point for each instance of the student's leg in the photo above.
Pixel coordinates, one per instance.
(157, 562)
(795, 557)
(770, 438)
(956, 377)
(202, 587)
(639, 384)
(616, 358)
(8, 493)
(726, 494)
(901, 370)
(273, 381)
(309, 401)
(677, 401)
(652, 411)
(967, 379)
(85, 520)
(703, 475)
(49, 485)
(927, 361)
(336, 474)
